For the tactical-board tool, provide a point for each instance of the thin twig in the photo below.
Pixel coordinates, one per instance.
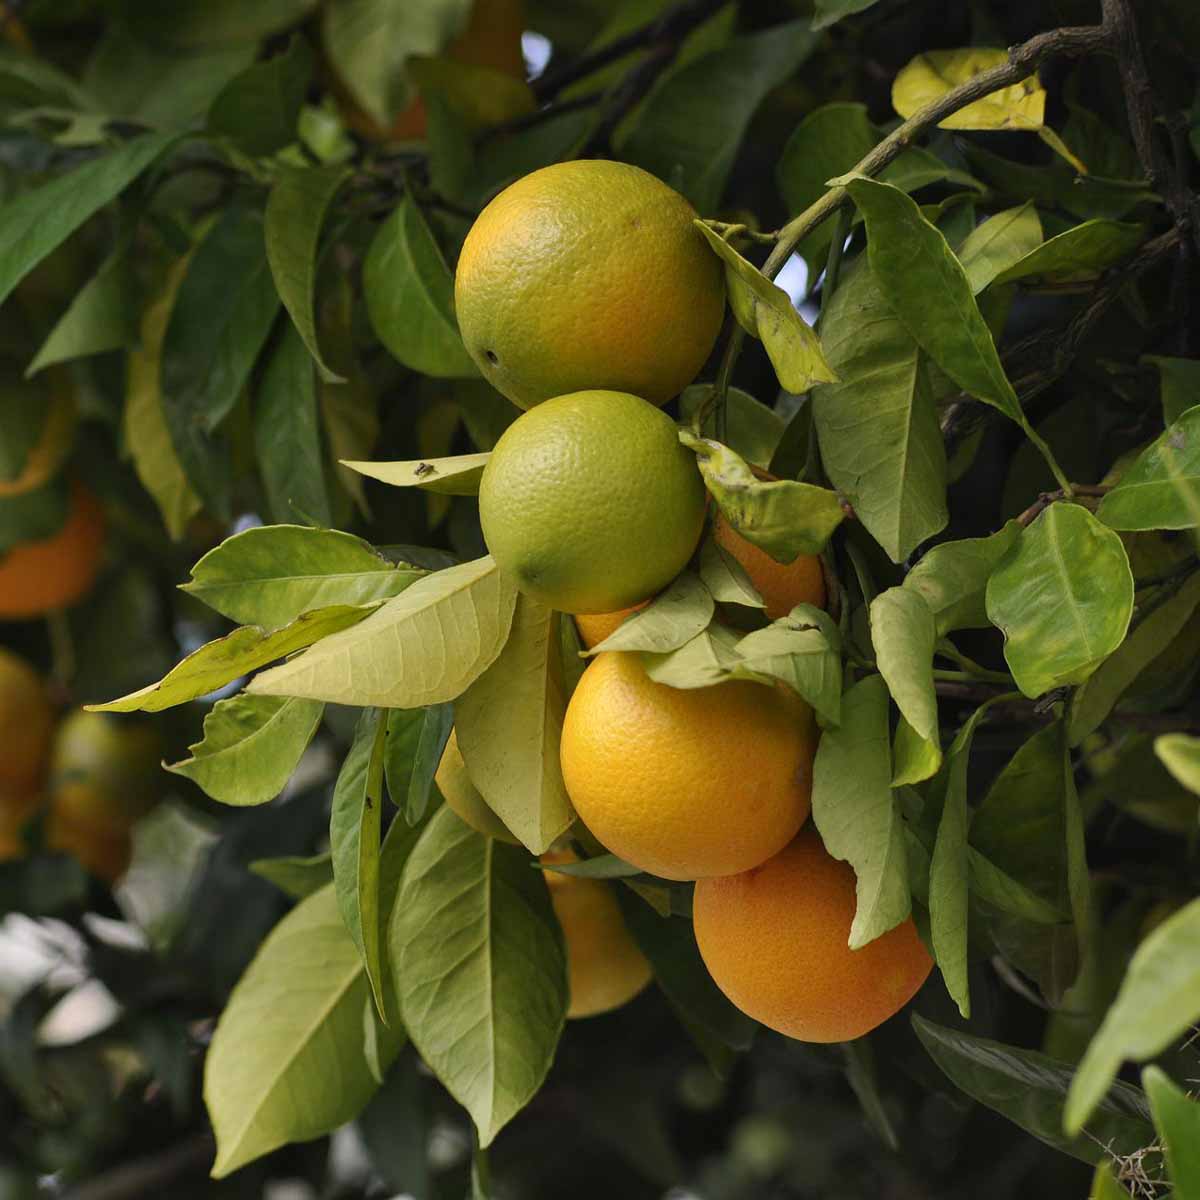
(1044, 501)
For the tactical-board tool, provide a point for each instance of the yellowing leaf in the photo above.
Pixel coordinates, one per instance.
(457, 476)
(932, 74)
(428, 644)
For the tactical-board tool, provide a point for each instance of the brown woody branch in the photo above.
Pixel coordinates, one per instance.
(1044, 501)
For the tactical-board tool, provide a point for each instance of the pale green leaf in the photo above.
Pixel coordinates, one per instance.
(707, 659)
(270, 574)
(295, 876)
(993, 247)
(855, 811)
(725, 577)
(752, 429)
(238, 653)
(1085, 249)
(480, 970)
(783, 517)
(1159, 1001)
(1180, 754)
(457, 476)
(1062, 596)
(1162, 488)
(508, 724)
(426, 645)
(251, 747)
(904, 635)
(1177, 1119)
(913, 758)
(801, 650)
(676, 615)
(930, 75)
(286, 1063)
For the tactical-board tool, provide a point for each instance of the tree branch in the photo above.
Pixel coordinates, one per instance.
(1044, 501)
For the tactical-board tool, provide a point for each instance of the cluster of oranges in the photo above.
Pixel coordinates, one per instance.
(585, 294)
(84, 779)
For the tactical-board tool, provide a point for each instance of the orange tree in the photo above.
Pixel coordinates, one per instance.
(873, 507)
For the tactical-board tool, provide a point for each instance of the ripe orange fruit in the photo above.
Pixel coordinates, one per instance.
(463, 797)
(104, 851)
(775, 941)
(56, 572)
(588, 274)
(781, 585)
(590, 501)
(605, 968)
(595, 627)
(686, 783)
(26, 725)
(492, 39)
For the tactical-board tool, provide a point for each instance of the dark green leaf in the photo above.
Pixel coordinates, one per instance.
(258, 109)
(37, 221)
(1177, 1119)
(416, 738)
(220, 320)
(1029, 1088)
(1180, 385)
(1085, 249)
(287, 435)
(830, 12)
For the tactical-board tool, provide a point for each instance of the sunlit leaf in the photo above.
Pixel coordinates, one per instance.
(676, 615)
(930, 75)
(457, 476)
(1162, 488)
(904, 635)
(1180, 754)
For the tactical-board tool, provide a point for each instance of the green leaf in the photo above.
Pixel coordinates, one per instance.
(145, 424)
(1180, 754)
(676, 615)
(932, 74)
(904, 635)
(782, 517)
(409, 294)
(296, 209)
(1088, 249)
(829, 142)
(914, 759)
(602, 866)
(297, 877)
(1000, 889)
(1180, 384)
(690, 129)
(830, 12)
(270, 574)
(480, 969)
(949, 870)
(1105, 1185)
(258, 109)
(370, 41)
(855, 811)
(103, 316)
(286, 1062)
(1028, 1088)
(354, 833)
(752, 429)
(1062, 596)
(1177, 1119)
(995, 245)
(456, 476)
(878, 429)
(1096, 697)
(426, 645)
(39, 220)
(250, 748)
(509, 722)
(707, 659)
(725, 577)
(287, 435)
(953, 577)
(238, 653)
(669, 943)
(930, 292)
(217, 22)
(1162, 488)
(766, 311)
(1158, 1001)
(802, 650)
(416, 738)
(220, 320)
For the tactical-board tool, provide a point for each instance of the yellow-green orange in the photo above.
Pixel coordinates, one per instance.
(588, 274)
(686, 783)
(463, 797)
(775, 941)
(590, 502)
(605, 968)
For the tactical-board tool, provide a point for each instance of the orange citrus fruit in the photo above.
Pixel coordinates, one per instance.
(775, 941)
(492, 40)
(463, 797)
(16, 811)
(26, 726)
(605, 967)
(588, 274)
(781, 585)
(105, 852)
(596, 627)
(55, 572)
(590, 502)
(686, 783)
